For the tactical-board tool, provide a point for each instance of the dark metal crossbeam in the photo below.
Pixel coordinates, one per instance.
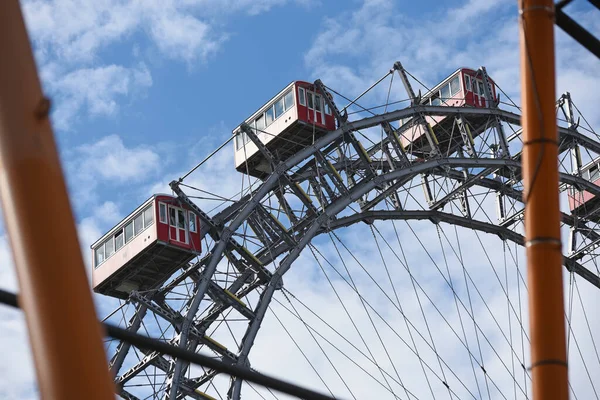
(576, 31)
(145, 342)
(437, 216)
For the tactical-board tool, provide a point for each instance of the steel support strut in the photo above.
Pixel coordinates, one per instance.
(123, 348)
(265, 298)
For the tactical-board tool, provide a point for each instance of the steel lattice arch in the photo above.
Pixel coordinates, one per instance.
(359, 173)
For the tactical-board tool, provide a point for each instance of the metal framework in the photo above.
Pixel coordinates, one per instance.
(336, 182)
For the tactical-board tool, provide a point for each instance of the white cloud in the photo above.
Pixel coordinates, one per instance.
(473, 9)
(250, 7)
(95, 90)
(69, 37)
(8, 279)
(371, 38)
(108, 163)
(74, 31)
(181, 36)
(18, 374)
(109, 159)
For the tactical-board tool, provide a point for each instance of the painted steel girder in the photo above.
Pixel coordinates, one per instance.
(187, 388)
(516, 195)
(197, 382)
(123, 347)
(231, 211)
(437, 217)
(197, 330)
(150, 358)
(365, 185)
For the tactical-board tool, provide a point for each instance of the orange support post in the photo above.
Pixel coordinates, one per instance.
(64, 332)
(542, 216)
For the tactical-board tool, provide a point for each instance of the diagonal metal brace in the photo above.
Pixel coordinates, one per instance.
(342, 121)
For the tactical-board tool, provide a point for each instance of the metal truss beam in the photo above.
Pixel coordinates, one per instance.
(271, 159)
(223, 225)
(487, 87)
(431, 215)
(232, 211)
(267, 256)
(162, 309)
(224, 296)
(287, 209)
(579, 254)
(466, 135)
(197, 382)
(123, 348)
(225, 244)
(333, 174)
(576, 31)
(276, 228)
(162, 364)
(473, 180)
(360, 189)
(517, 195)
(467, 181)
(150, 358)
(185, 274)
(301, 194)
(194, 331)
(365, 187)
(478, 179)
(396, 143)
(348, 134)
(265, 298)
(437, 217)
(407, 86)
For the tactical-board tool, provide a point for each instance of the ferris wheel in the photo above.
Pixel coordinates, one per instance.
(369, 251)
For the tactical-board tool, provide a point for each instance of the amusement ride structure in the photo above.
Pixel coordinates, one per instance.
(394, 204)
(451, 156)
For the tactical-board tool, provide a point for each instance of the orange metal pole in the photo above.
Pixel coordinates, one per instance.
(542, 217)
(65, 335)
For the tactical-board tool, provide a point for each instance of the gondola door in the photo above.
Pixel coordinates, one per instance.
(315, 109)
(479, 93)
(177, 225)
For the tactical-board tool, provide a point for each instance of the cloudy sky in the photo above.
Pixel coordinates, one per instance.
(143, 90)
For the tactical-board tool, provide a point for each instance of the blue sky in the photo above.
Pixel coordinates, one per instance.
(175, 77)
(142, 90)
(179, 76)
